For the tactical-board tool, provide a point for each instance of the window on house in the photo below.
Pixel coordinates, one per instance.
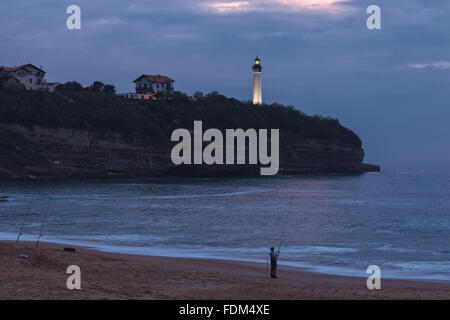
(24, 80)
(31, 80)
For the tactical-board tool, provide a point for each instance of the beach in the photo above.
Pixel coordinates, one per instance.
(42, 275)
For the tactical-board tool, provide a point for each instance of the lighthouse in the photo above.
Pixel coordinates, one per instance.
(257, 86)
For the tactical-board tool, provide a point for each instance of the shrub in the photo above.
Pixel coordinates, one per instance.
(75, 107)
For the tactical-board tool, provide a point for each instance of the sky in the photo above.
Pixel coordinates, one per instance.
(390, 86)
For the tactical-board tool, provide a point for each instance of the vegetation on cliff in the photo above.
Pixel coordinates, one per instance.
(74, 107)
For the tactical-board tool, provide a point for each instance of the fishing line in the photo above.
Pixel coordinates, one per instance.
(45, 220)
(27, 213)
(284, 230)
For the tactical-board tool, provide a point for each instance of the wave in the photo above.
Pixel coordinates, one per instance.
(433, 271)
(102, 197)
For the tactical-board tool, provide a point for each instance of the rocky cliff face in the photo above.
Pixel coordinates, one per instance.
(41, 152)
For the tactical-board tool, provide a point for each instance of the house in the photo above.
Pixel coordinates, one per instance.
(51, 86)
(151, 87)
(29, 75)
(152, 84)
(139, 96)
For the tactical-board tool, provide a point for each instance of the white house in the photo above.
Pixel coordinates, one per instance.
(152, 84)
(29, 75)
(51, 86)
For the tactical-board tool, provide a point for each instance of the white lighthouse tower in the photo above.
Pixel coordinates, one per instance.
(257, 86)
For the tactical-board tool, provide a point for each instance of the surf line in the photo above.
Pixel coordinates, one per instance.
(235, 147)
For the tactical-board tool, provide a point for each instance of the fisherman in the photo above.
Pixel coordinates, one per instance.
(273, 262)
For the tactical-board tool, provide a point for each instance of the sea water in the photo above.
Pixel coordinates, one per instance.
(398, 219)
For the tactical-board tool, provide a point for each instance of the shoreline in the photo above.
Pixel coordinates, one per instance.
(110, 176)
(134, 251)
(125, 276)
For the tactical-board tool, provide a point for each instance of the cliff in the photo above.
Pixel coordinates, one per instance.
(80, 135)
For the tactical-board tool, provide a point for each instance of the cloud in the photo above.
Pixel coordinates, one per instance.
(440, 65)
(178, 33)
(260, 35)
(311, 4)
(228, 7)
(111, 21)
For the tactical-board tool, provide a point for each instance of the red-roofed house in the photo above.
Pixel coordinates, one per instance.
(29, 75)
(152, 84)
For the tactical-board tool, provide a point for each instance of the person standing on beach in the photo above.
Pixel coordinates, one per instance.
(273, 262)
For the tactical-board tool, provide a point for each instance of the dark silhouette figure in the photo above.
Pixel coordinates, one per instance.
(273, 262)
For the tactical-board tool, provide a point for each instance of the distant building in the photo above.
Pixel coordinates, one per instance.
(257, 83)
(151, 87)
(51, 86)
(151, 84)
(29, 75)
(139, 96)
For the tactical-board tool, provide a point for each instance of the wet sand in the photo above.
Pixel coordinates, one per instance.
(119, 276)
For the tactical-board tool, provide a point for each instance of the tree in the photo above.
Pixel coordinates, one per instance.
(9, 83)
(214, 93)
(109, 89)
(198, 95)
(71, 86)
(97, 86)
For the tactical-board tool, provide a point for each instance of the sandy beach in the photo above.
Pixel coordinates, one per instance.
(118, 276)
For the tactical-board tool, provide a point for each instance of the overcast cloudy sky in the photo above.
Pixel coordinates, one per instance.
(390, 86)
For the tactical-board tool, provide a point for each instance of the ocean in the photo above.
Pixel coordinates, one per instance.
(398, 219)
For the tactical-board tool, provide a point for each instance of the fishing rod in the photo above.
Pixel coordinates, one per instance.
(45, 220)
(23, 221)
(284, 231)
